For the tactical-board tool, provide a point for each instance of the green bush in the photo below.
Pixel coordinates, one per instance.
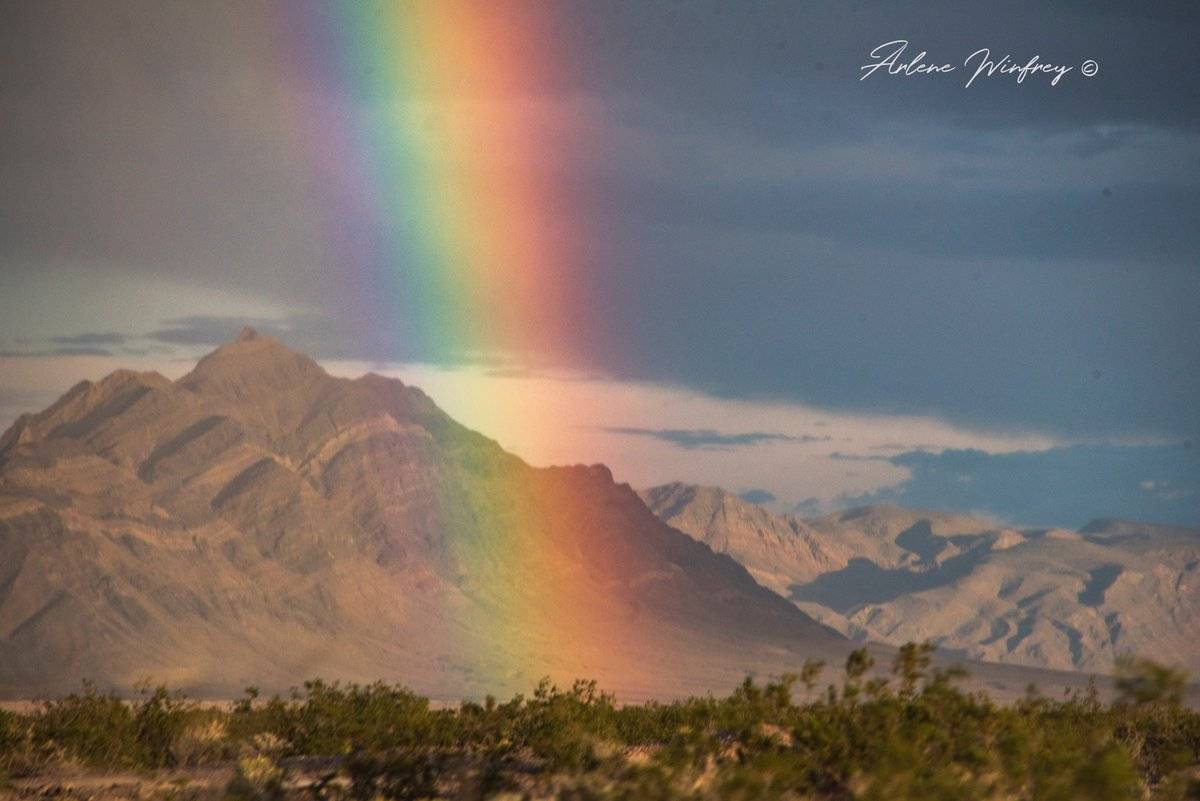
(104, 730)
(14, 746)
(331, 719)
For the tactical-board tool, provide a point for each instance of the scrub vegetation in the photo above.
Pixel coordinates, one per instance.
(905, 734)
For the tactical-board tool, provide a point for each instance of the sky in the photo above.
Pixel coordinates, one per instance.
(812, 287)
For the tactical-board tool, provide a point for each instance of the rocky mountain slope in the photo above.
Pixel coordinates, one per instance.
(261, 522)
(1069, 600)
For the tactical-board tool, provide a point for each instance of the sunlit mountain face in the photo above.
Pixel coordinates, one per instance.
(258, 520)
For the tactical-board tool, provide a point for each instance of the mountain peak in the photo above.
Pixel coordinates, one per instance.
(250, 365)
(261, 518)
(248, 334)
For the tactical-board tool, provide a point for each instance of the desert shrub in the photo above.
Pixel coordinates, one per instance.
(204, 740)
(89, 726)
(259, 775)
(258, 778)
(1161, 735)
(338, 719)
(158, 720)
(104, 730)
(404, 774)
(565, 728)
(16, 752)
(1143, 682)
(912, 735)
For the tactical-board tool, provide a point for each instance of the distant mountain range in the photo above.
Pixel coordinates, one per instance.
(1068, 600)
(260, 522)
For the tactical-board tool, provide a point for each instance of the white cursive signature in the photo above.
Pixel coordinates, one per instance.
(890, 57)
(1006, 66)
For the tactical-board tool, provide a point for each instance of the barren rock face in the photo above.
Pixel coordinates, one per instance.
(1056, 599)
(260, 522)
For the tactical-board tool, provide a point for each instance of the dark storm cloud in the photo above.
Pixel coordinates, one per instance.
(759, 496)
(781, 68)
(210, 331)
(809, 507)
(92, 338)
(80, 351)
(1067, 486)
(707, 439)
(936, 219)
(761, 222)
(50, 352)
(840, 456)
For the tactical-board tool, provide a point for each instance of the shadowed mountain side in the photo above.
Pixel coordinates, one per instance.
(861, 582)
(260, 522)
(1057, 599)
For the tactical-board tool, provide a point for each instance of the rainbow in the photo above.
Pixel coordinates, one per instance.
(444, 208)
(428, 119)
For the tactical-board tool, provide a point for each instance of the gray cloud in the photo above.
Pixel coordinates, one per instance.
(1067, 486)
(318, 335)
(210, 331)
(856, 457)
(94, 338)
(51, 352)
(707, 439)
(759, 496)
(809, 507)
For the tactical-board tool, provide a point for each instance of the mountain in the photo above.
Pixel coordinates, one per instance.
(260, 522)
(1047, 598)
